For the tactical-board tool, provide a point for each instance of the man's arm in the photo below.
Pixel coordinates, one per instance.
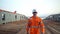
(42, 27)
(28, 26)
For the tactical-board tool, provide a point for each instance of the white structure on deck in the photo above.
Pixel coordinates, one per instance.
(6, 16)
(54, 17)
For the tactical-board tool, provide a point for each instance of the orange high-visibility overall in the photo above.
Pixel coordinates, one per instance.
(33, 25)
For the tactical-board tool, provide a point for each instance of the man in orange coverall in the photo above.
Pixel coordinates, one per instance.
(35, 25)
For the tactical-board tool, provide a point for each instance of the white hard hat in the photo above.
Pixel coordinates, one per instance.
(34, 11)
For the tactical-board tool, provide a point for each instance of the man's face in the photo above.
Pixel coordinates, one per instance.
(35, 13)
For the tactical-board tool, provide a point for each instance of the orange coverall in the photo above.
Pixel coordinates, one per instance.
(35, 22)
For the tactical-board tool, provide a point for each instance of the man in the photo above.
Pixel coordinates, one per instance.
(35, 25)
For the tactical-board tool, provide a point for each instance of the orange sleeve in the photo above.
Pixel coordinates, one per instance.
(28, 25)
(42, 26)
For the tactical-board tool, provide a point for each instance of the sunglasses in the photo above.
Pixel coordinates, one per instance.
(34, 12)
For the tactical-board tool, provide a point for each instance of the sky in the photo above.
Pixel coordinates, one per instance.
(43, 7)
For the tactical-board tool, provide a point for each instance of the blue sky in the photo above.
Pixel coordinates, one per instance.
(43, 7)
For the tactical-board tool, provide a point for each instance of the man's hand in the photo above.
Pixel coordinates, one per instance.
(42, 33)
(27, 32)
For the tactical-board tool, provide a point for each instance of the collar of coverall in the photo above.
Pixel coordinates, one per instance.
(35, 17)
